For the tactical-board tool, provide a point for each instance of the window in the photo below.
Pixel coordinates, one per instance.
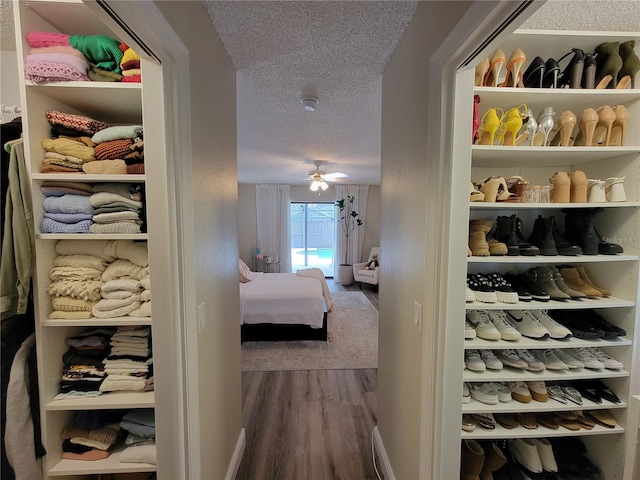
(313, 236)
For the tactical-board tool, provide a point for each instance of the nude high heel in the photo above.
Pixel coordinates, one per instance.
(602, 134)
(495, 67)
(560, 188)
(566, 124)
(587, 125)
(578, 186)
(614, 189)
(619, 126)
(481, 72)
(489, 124)
(514, 69)
(596, 191)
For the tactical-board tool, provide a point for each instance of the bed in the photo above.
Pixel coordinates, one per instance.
(285, 306)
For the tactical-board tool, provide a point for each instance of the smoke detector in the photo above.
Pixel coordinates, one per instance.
(309, 103)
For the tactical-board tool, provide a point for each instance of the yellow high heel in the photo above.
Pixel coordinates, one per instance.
(495, 66)
(481, 72)
(489, 124)
(510, 125)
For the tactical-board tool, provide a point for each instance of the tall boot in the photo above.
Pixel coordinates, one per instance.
(472, 460)
(525, 247)
(494, 459)
(542, 237)
(506, 233)
(478, 238)
(579, 229)
(563, 246)
(496, 248)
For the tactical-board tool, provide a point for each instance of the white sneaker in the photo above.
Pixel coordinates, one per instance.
(510, 358)
(568, 359)
(556, 331)
(538, 390)
(479, 319)
(470, 296)
(466, 395)
(550, 360)
(473, 361)
(534, 365)
(469, 331)
(500, 321)
(609, 362)
(519, 391)
(527, 324)
(483, 392)
(504, 394)
(490, 360)
(525, 451)
(584, 356)
(545, 452)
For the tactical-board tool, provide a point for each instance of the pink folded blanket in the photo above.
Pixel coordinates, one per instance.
(47, 39)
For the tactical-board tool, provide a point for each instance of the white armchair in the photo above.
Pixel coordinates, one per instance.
(370, 276)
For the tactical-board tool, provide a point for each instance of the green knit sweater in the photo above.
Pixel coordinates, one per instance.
(104, 52)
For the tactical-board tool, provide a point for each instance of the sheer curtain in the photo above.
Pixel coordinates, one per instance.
(356, 239)
(272, 207)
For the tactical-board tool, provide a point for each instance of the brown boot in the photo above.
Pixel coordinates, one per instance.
(495, 247)
(573, 281)
(472, 460)
(494, 459)
(478, 238)
(583, 275)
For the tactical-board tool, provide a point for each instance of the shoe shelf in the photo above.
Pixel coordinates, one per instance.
(108, 465)
(546, 206)
(114, 400)
(550, 405)
(531, 343)
(502, 156)
(584, 303)
(521, 432)
(554, 259)
(508, 374)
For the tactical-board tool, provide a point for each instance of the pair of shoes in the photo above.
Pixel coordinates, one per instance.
(533, 364)
(577, 279)
(596, 391)
(490, 393)
(546, 236)
(605, 126)
(564, 393)
(527, 323)
(509, 230)
(549, 359)
(491, 288)
(608, 190)
(478, 462)
(579, 229)
(550, 280)
(492, 325)
(525, 288)
(495, 189)
(618, 63)
(594, 358)
(492, 69)
(575, 321)
(481, 243)
(574, 461)
(510, 358)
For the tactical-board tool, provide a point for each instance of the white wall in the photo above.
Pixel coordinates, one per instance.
(247, 223)
(9, 84)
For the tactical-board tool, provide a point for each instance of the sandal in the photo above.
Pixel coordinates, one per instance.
(495, 189)
(475, 195)
(517, 185)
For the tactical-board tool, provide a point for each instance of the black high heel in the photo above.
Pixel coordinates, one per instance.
(572, 75)
(551, 73)
(534, 74)
(589, 71)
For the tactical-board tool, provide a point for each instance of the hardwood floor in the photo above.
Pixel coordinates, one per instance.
(310, 424)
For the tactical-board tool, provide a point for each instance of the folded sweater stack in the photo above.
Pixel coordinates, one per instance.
(141, 437)
(83, 368)
(119, 149)
(118, 208)
(67, 207)
(91, 434)
(130, 65)
(130, 361)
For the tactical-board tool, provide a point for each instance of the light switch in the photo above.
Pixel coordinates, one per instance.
(201, 317)
(417, 315)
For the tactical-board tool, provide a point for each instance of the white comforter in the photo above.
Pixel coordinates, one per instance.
(282, 298)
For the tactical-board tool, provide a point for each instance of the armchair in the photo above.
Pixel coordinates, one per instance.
(364, 275)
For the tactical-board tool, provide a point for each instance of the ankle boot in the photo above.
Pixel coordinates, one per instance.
(583, 275)
(543, 277)
(478, 238)
(630, 61)
(506, 233)
(562, 285)
(578, 228)
(525, 247)
(609, 62)
(573, 281)
(494, 459)
(563, 246)
(542, 237)
(496, 248)
(472, 460)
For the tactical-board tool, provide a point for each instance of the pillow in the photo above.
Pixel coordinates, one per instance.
(245, 272)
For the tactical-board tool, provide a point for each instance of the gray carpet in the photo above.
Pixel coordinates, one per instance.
(352, 342)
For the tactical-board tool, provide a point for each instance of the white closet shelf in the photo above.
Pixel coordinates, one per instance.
(114, 400)
(511, 375)
(105, 322)
(92, 236)
(530, 343)
(549, 406)
(538, 206)
(521, 432)
(547, 259)
(86, 178)
(108, 465)
(609, 302)
(505, 156)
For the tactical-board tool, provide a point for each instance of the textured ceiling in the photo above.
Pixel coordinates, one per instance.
(7, 32)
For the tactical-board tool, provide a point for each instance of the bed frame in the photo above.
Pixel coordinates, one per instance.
(272, 332)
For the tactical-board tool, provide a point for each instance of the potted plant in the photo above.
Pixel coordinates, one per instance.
(349, 221)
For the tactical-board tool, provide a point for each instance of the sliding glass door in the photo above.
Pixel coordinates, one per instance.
(313, 236)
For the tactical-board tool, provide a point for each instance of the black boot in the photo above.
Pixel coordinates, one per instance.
(563, 246)
(578, 228)
(542, 237)
(506, 233)
(525, 247)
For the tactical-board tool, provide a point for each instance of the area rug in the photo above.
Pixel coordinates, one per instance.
(352, 341)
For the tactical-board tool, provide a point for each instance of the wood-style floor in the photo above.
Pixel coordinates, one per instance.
(310, 424)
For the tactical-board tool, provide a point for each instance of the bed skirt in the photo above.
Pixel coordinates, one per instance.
(273, 332)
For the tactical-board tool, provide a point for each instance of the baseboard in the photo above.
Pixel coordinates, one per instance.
(234, 465)
(381, 454)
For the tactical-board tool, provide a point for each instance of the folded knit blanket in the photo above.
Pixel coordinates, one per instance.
(132, 191)
(57, 189)
(48, 225)
(143, 311)
(141, 416)
(145, 283)
(99, 75)
(121, 208)
(128, 55)
(105, 167)
(76, 63)
(106, 198)
(138, 428)
(39, 71)
(96, 248)
(122, 284)
(134, 385)
(104, 52)
(47, 39)
(133, 79)
(52, 168)
(68, 217)
(67, 146)
(119, 228)
(60, 315)
(140, 454)
(117, 294)
(101, 438)
(113, 149)
(124, 268)
(57, 274)
(132, 331)
(116, 312)
(81, 123)
(68, 304)
(83, 289)
(117, 132)
(68, 203)
(124, 216)
(80, 260)
(133, 72)
(130, 342)
(69, 159)
(68, 49)
(129, 65)
(145, 296)
(60, 131)
(105, 304)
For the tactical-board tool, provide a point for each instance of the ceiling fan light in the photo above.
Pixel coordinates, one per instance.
(324, 185)
(315, 185)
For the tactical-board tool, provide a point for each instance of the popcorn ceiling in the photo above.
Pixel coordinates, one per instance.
(602, 15)
(7, 30)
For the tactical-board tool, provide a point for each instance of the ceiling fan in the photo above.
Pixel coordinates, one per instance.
(318, 177)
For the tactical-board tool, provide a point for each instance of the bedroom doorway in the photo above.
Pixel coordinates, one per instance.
(313, 236)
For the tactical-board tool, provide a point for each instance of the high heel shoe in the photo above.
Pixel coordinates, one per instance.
(614, 189)
(476, 118)
(602, 134)
(572, 75)
(619, 126)
(566, 124)
(560, 188)
(495, 189)
(609, 62)
(578, 186)
(624, 82)
(551, 73)
(514, 67)
(604, 82)
(533, 75)
(481, 71)
(545, 126)
(630, 61)
(596, 191)
(489, 124)
(530, 125)
(495, 66)
(587, 125)
(589, 71)
(510, 125)
(517, 185)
